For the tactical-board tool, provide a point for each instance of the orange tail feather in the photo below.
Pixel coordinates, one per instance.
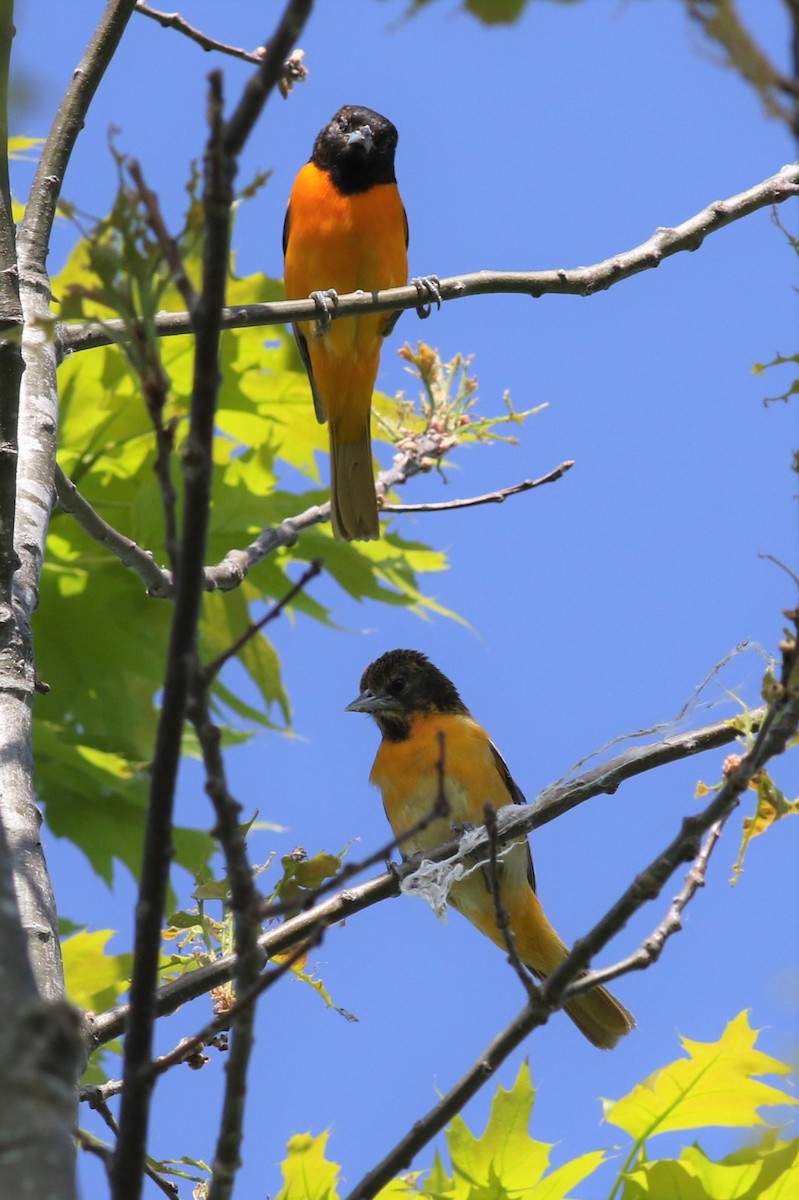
(598, 1015)
(353, 503)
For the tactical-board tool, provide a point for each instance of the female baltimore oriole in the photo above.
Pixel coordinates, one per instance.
(346, 231)
(412, 703)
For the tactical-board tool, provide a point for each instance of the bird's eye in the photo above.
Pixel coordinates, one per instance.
(342, 125)
(398, 685)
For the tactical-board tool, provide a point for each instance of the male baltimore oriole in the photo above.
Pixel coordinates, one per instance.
(346, 231)
(412, 703)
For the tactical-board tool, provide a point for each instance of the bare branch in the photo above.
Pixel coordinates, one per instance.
(488, 498)
(168, 245)
(425, 449)
(11, 365)
(577, 281)
(225, 141)
(248, 957)
(157, 580)
(271, 71)
(98, 1102)
(176, 21)
(213, 668)
(652, 947)
(501, 915)
(157, 857)
(425, 1128)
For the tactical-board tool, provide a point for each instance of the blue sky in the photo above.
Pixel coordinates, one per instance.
(594, 607)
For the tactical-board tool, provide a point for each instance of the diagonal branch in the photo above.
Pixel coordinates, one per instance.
(576, 281)
(129, 1156)
(175, 21)
(651, 948)
(225, 140)
(235, 566)
(498, 497)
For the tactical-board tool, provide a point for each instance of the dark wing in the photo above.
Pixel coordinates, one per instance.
(302, 344)
(517, 796)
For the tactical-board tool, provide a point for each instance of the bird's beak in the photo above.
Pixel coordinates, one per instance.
(362, 136)
(367, 702)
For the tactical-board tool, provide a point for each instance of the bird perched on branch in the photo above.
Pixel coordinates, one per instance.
(414, 704)
(345, 231)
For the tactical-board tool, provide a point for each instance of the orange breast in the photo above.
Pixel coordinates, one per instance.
(343, 242)
(408, 776)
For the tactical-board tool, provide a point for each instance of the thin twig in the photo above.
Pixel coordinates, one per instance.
(188, 1047)
(501, 915)
(168, 245)
(157, 580)
(425, 1128)
(652, 947)
(99, 1103)
(243, 1003)
(157, 857)
(11, 364)
(36, 224)
(488, 498)
(576, 281)
(439, 811)
(212, 669)
(176, 21)
(550, 803)
(248, 957)
(271, 71)
(228, 574)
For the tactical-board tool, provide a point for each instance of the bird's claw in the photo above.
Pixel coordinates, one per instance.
(429, 289)
(326, 304)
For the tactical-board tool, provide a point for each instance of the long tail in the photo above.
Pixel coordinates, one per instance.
(353, 503)
(598, 1015)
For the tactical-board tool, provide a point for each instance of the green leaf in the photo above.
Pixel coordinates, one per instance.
(307, 1174)
(505, 1151)
(752, 1174)
(99, 801)
(714, 1085)
(95, 979)
(496, 12)
(302, 875)
(506, 1161)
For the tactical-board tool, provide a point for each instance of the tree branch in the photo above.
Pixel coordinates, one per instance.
(488, 498)
(11, 365)
(235, 566)
(157, 580)
(129, 1156)
(225, 141)
(651, 948)
(577, 281)
(176, 21)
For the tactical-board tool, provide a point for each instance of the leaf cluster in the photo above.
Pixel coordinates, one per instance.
(715, 1084)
